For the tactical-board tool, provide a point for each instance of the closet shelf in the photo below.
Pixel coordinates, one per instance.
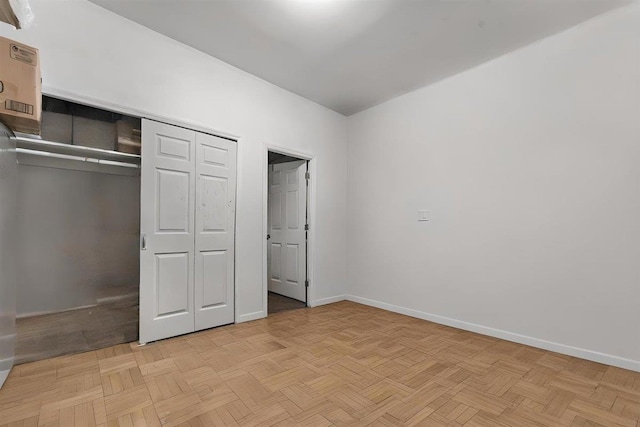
(78, 151)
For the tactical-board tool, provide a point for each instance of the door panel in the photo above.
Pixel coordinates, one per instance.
(215, 231)
(293, 252)
(214, 207)
(214, 273)
(286, 267)
(275, 209)
(215, 156)
(173, 201)
(293, 210)
(172, 283)
(275, 262)
(167, 215)
(174, 148)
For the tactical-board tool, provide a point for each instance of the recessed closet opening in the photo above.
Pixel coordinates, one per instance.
(118, 243)
(78, 263)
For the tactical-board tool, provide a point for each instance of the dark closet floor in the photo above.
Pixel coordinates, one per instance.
(277, 303)
(112, 322)
(106, 324)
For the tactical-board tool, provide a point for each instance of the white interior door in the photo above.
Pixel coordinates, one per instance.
(215, 225)
(287, 250)
(167, 226)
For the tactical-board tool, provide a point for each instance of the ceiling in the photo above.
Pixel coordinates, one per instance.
(349, 55)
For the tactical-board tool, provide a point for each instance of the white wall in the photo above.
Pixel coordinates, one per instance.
(90, 52)
(530, 168)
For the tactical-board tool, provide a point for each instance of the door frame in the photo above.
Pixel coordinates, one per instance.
(311, 203)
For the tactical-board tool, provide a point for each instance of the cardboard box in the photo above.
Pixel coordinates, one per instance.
(128, 137)
(20, 87)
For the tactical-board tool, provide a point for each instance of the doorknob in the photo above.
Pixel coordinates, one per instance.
(143, 243)
(268, 236)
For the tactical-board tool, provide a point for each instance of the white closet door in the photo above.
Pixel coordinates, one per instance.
(287, 218)
(215, 225)
(167, 227)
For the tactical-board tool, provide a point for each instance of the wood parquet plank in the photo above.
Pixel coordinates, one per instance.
(341, 364)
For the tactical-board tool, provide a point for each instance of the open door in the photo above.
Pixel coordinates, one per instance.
(8, 238)
(167, 216)
(287, 252)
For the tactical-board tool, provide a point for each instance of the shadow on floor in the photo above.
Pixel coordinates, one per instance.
(277, 303)
(76, 331)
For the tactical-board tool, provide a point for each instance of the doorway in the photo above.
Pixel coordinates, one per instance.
(287, 232)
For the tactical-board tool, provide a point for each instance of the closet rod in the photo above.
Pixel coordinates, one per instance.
(77, 158)
(76, 150)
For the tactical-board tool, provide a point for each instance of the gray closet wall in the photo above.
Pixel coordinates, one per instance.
(79, 238)
(79, 222)
(8, 219)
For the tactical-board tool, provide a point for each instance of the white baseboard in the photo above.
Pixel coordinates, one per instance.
(250, 316)
(330, 300)
(3, 376)
(594, 356)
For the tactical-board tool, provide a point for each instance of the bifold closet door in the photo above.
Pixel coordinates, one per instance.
(167, 216)
(187, 223)
(215, 225)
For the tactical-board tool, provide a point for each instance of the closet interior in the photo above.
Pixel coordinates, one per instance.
(78, 259)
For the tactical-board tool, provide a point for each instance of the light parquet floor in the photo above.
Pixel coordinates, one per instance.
(341, 364)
